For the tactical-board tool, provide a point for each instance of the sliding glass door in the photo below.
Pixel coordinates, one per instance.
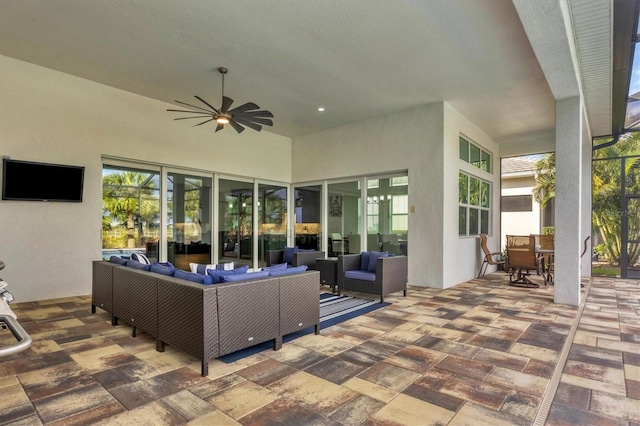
(130, 211)
(344, 219)
(272, 220)
(308, 211)
(235, 221)
(188, 219)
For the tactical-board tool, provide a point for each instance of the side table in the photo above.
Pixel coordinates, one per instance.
(328, 272)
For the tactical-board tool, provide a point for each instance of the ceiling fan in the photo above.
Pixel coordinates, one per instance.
(249, 114)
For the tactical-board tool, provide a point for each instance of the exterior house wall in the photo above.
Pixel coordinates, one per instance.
(520, 223)
(55, 117)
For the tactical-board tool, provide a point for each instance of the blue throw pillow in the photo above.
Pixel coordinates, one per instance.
(287, 255)
(200, 268)
(373, 259)
(165, 268)
(140, 258)
(192, 276)
(243, 277)
(288, 271)
(117, 259)
(364, 260)
(275, 267)
(135, 264)
(217, 274)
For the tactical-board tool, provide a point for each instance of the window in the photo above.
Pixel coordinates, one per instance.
(517, 203)
(473, 211)
(473, 154)
(400, 181)
(373, 216)
(130, 211)
(400, 214)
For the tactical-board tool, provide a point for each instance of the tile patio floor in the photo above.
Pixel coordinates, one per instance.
(481, 353)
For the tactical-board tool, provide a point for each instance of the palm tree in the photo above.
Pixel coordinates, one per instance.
(127, 197)
(606, 210)
(545, 189)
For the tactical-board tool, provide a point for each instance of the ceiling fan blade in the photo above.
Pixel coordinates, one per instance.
(191, 112)
(192, 106)
(195, 116)
(207, 103)
(206, 121)
(249, 124)
(264, 121)
(220, 126)
(226, 103)
(261, 113)
(236, 126)
(244, 108)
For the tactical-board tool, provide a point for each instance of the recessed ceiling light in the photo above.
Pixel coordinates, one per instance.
(320, 109)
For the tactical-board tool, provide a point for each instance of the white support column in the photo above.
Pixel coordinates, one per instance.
(586, 202)
(568, 201)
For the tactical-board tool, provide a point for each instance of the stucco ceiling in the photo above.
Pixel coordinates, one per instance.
(359, 58)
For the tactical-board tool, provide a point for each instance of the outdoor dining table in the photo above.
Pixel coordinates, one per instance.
(547, 268)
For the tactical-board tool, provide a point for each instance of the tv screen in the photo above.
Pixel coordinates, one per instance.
(31, 181)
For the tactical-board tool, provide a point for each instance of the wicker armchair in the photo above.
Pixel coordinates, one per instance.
(299, 258)
(521, 252)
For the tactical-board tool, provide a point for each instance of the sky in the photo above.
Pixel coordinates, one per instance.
(634, 85)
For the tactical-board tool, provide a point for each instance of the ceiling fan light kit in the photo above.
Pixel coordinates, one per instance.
(248, 115)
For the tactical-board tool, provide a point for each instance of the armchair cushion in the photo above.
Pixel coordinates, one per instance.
(361, 275)
(373, 260)
(287, 256)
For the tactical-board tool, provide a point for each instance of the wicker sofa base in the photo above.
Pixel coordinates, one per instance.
(207, 321)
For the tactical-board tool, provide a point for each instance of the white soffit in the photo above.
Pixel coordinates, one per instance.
(592, 25)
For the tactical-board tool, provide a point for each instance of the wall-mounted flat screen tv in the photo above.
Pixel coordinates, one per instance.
(32, 181)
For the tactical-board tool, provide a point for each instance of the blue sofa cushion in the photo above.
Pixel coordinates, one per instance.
(200, 268)
(140, 258)
(373, 259)
(364, 260)
(218, 274)
(164, 268)
(360, 275)
(242, 277)
(275, 267)
(135, 264)
(117, 259)
(288, 271)
(287, 255)
(192, 276)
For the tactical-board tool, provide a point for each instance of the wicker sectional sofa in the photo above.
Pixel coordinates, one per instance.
(207, 321)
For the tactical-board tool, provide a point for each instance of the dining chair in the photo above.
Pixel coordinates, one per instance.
(521, 252)
(337, 244)
(489, 257)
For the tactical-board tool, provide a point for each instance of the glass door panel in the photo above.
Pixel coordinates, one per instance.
(388, 214)
(188, 219)
(344, 219)
(235, 222)
(130, 211)
(272, 220)
(307, 229)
